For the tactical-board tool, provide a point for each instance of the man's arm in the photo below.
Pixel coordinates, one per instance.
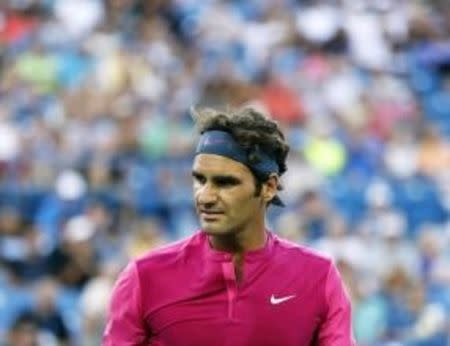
(125, 325)
(336, 329)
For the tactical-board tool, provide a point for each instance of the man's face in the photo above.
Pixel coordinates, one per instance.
(224, 193)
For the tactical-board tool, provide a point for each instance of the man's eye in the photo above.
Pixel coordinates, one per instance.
(199, 179)
(225, 182)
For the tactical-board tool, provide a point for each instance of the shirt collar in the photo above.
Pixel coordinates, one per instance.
(249, 256)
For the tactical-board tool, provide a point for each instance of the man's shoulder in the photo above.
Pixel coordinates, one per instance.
(170, 253)
(297, 253)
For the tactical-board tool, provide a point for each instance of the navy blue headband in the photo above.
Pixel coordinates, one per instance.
(222, 143)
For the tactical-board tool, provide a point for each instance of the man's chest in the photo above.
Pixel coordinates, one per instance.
(262, 311)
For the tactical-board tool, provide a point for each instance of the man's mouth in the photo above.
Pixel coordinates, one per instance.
(210, 215)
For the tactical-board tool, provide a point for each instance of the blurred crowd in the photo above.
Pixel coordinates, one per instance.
(96, 143)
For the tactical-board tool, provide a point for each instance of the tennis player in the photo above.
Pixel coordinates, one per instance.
(234, 282)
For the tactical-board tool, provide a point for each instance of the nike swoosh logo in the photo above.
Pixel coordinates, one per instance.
(275, 301)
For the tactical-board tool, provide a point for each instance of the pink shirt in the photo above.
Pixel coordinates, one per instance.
(187, 295)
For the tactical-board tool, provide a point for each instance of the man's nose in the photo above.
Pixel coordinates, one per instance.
(207, 195)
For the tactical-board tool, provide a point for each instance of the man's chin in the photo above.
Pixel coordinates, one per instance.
(211, 230)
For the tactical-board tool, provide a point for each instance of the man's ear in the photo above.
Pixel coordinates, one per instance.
(270, 187)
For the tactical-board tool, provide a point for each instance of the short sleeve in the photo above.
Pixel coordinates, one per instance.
(125, 325)
(336, 329)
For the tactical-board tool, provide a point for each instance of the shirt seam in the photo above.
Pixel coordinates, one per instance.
(327, 289)
(139, 294)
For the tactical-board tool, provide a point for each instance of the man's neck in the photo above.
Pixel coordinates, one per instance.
(239, 243)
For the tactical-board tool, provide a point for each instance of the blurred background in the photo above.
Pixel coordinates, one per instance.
(96, 144)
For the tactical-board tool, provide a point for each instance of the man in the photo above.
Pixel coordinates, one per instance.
(233, 283)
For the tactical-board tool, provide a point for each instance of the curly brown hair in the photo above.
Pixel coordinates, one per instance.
(253, 130)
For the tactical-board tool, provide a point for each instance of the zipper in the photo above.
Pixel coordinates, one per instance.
(231, 285)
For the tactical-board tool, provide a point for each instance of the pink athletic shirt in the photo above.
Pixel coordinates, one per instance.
(186, 294)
